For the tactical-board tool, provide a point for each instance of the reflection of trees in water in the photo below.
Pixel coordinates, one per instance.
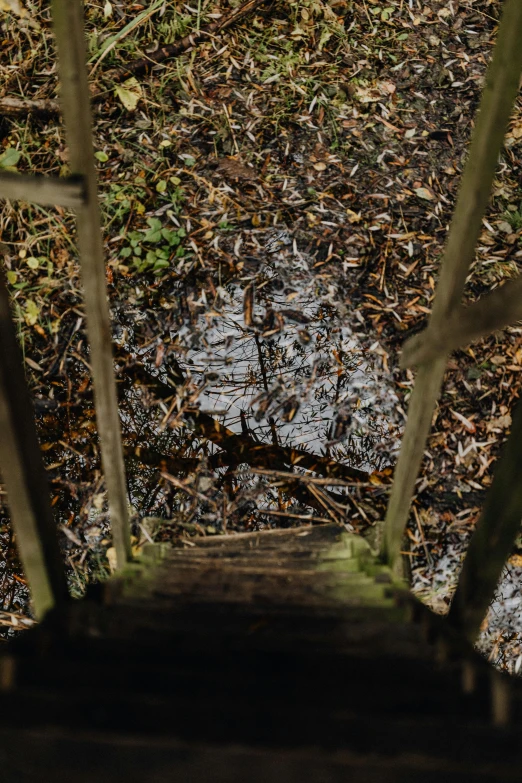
(287, 366)
(270, 371)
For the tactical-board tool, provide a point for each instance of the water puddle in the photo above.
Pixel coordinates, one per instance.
(268, 373)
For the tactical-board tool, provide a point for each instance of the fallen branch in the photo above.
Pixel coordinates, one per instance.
(243, 448)
(21, 107)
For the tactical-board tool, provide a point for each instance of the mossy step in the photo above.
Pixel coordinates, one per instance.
(340, 568)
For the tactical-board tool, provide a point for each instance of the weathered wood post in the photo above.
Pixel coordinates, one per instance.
(24, 474)
(493, 537)
(75, 100)
(500, 91)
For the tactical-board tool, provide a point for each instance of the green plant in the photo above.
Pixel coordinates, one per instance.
(153, 250)
(514, 218)
(121, 199)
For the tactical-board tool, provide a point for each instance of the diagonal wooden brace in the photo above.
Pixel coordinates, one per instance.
(492, 312)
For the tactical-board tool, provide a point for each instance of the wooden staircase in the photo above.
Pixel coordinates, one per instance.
(282, 655)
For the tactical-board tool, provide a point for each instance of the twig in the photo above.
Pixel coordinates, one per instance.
(192, 492)
(16, 107)
(285, 474)
(427, 552)
(304, 517)
(143, 65)
(327, 503)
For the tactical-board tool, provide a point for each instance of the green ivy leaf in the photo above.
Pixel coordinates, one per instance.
(154, 235)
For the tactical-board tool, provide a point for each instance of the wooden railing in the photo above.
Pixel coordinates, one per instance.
(450, 327)
(20, 459)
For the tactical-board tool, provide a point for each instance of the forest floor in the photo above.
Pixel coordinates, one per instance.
(275, 203)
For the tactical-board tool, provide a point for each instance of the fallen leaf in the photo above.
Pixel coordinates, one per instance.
(424, 193)
(499, 423)
(70, 535)
(14, 7)
(32, 311)
(463, 420)
(129, 93)
(353, 217)
(9, 159)
(33, 365)
(234, 169)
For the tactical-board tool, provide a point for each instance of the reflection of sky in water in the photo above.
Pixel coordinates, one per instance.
(297, 376)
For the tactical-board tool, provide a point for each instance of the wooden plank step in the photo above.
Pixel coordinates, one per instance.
(188, 625)
(341, 569)
(455, 736)
(67, 755)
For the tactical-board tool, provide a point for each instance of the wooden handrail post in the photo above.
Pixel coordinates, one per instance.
(24, 474)
(75, 100)
(500, 91)
(493, 538)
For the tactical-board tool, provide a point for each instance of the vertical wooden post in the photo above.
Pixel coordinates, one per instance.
(493, 538)
(500, 91)
(75, 100)
(24, 475)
